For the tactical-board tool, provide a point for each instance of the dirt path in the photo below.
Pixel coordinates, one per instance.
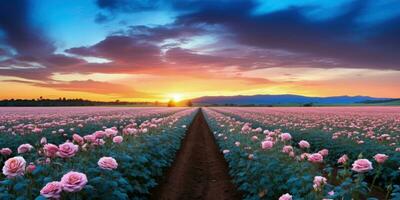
(199, 170)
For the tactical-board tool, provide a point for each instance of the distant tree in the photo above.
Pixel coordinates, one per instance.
(171, 103)
(189, 103)
(308, 105)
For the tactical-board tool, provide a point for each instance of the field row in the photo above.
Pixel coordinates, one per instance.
(311, 153)
(94, 153)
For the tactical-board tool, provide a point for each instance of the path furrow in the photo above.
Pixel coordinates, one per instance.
(199, 170)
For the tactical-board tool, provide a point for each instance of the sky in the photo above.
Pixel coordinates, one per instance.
(154, 50)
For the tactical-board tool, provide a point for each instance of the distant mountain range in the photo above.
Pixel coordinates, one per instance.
(282, 99)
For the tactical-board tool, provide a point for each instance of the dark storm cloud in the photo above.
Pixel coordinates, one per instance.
(122, 49)
(19, 32)
(128, 5)
(339, 38)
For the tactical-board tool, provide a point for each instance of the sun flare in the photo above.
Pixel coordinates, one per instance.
(176, 97)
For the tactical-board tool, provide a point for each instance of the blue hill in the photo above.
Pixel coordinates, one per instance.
(282, 99)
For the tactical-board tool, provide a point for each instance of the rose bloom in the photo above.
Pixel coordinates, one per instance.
(24, 148)
(67, 150)
(30, 168)
(73, 181)
(78, 139)
(107, 163)
(286, 196)
(267, 144)
(50, 150)
(315, 158)
(5, 151)
(43, 140)
(319, 181)
(14, 167)
(237, 144)
(343, 159)
(381, 158)
(99, 134)
(287, 149)
(254, 138)
(362, 165)
(89, 138)
(304, 156)
(99, 142)
(285, 137)
(304, 144)
(118, 139)
(111, 132)
(225, 151)
(52, 190)
(324, 152)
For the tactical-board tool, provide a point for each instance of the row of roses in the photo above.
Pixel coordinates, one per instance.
(386, 176)
(228, 134)
(130, 168)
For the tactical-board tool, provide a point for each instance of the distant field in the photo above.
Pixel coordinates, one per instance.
(227, 152)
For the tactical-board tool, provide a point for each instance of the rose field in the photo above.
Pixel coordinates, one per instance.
(200, 153)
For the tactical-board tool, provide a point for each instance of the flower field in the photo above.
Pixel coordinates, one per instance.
(272, 153)
(311, 153)
(87, 153)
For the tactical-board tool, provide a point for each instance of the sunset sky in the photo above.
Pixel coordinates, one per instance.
(147, 50)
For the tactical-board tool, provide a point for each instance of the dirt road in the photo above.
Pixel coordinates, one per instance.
(199, 170)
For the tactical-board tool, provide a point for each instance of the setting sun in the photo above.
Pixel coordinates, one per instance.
(176, 97)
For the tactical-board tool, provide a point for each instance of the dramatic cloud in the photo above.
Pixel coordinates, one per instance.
(20, 34)
(224, 40)
(340, 38)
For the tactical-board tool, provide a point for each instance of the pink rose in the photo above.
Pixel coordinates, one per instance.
(304, 144)
(14, 167)
(319, 181)
(324, 152)
(118, 139)
(73, 181)
(343, 159)
(287, 149)
(267, 144)
(362, 165)
(381, 158)
(286, 196)
(67, 150)
(99, 134)
(304, 156)
(24, 148)
(316, 158)
(5, 151)
(225, 151)
(43, 140)
(111, 132)
(237, 144)
(30, 168)
(89, 138)
(99, 142)
(285, 137)
(50, 150)
(78, 139)
(107, 163)
(52, 190)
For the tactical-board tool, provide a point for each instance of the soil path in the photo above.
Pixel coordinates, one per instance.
(199, 170)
